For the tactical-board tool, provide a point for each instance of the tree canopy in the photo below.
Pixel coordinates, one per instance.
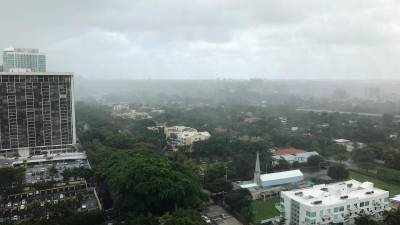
(338, 172)
(141, 181)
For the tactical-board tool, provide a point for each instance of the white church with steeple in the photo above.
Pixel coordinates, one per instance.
(264, 185)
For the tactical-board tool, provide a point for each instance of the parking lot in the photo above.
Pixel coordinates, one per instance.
(40, 173)
(24, 205)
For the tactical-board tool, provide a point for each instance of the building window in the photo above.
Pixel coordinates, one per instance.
(361, 204)
(335, 210)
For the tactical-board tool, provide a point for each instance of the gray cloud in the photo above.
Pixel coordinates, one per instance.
(209, 39)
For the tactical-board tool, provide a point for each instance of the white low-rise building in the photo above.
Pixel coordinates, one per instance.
(184, 136)
(121, 107)
(349, 145)
(301, 157)
(333, 203)
(132, 114)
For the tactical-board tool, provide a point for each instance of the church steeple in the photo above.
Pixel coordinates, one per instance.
(257, 171)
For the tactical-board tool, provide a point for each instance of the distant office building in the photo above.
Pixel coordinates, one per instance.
(36, 113)
(28, 59)
(337, 203)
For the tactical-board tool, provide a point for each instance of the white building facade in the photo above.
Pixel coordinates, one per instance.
(297, 157)
(184, 136)
(333, 203)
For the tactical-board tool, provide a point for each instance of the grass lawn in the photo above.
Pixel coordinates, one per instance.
(265, 209)
(392, 188)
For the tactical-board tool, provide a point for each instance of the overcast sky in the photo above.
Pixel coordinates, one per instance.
(191, 39)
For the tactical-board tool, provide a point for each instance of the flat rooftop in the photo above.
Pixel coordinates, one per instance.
(336, 193)
(271, 177)
(57, 157)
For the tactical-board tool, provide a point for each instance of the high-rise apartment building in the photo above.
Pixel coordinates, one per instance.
(27, 59)
(36, 113)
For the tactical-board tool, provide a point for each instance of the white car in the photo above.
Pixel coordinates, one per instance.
(22, 207)
(15, 218)
(42, 204)
(84, 206)
(61, 196)
(206, 219)
(9, 204)
(23, 202)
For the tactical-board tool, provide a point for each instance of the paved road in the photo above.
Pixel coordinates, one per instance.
(220, 216)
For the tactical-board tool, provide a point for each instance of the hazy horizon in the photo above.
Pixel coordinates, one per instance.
(196, 40)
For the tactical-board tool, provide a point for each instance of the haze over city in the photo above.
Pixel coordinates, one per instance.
(207, 39)
(203, 112)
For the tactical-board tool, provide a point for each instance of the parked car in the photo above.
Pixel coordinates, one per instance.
(206, 219)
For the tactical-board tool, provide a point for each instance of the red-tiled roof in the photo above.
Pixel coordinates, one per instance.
(287, 151)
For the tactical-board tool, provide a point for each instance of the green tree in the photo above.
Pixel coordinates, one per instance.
(338, 172)
(11, 178)
(392, 217)
(314, 161)
(143, 182)
(283, 165)
(364, 220)
(240, 201)
(183, 217)
(363, 155)
(341, 157)
(135, 219)
(367, 166)
(53, 172)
